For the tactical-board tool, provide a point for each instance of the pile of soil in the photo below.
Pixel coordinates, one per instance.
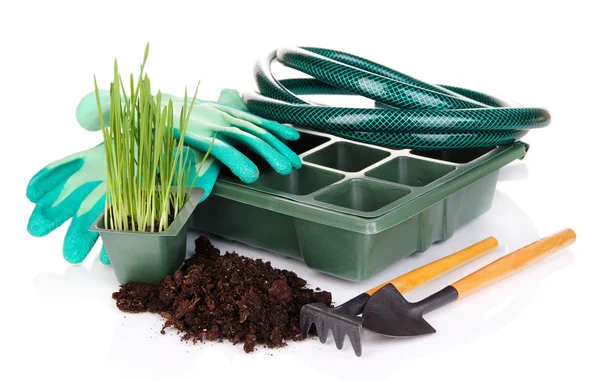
(226, 297)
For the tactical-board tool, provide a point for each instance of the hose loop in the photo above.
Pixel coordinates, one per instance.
(409, 113)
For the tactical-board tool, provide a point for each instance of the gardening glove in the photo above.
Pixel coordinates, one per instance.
(231, 124)
(75, 188)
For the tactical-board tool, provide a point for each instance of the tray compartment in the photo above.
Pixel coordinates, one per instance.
(300, 182)
(255, 226)
(357, 256)
(459, 156)
(362, 195)
(306, 142)
(347, 157)
(410, 171)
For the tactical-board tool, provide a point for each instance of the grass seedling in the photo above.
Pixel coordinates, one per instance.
(144, 159)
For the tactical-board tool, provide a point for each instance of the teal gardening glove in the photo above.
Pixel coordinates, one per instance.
(74, 187)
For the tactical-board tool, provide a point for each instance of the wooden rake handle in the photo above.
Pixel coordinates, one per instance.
(511, 263)
(440, 267)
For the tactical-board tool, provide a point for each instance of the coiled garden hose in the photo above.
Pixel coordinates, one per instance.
(409, 113)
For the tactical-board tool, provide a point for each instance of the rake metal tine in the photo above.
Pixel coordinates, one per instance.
(322, 331)
(339, 336)
(355, 340)
(305, 323)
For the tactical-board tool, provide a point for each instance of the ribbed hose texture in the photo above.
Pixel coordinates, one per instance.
(409, 113)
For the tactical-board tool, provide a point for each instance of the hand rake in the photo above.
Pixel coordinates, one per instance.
(344, 320)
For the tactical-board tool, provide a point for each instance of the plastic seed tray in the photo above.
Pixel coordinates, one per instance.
(354, 209)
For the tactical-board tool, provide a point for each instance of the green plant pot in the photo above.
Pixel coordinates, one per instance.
(148, 257)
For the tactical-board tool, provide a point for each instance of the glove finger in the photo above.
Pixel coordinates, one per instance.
(79, 240)
(279, 130)
(59, 172)
(269, 138)
(279, 162)
(232, 97)
(104, 256)
(209, 177)
(87, 110)
(208, 173)
(47, 216)
(51, 177)
(237, 162)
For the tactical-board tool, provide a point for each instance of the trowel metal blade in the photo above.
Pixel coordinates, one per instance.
(388, 313)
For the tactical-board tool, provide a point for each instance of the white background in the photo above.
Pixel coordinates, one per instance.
(59, 320)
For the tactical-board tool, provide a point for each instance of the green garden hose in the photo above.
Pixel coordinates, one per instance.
(409, 113)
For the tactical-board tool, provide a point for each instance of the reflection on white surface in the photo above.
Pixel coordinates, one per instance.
(136, 342)
(515, 171)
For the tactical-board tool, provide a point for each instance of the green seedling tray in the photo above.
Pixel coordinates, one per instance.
(353, 209)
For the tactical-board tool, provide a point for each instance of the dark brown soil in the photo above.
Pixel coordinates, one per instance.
(228, 297)
(133, 226)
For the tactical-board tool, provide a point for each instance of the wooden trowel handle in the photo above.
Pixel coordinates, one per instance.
(511, 263)
(440, 267)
